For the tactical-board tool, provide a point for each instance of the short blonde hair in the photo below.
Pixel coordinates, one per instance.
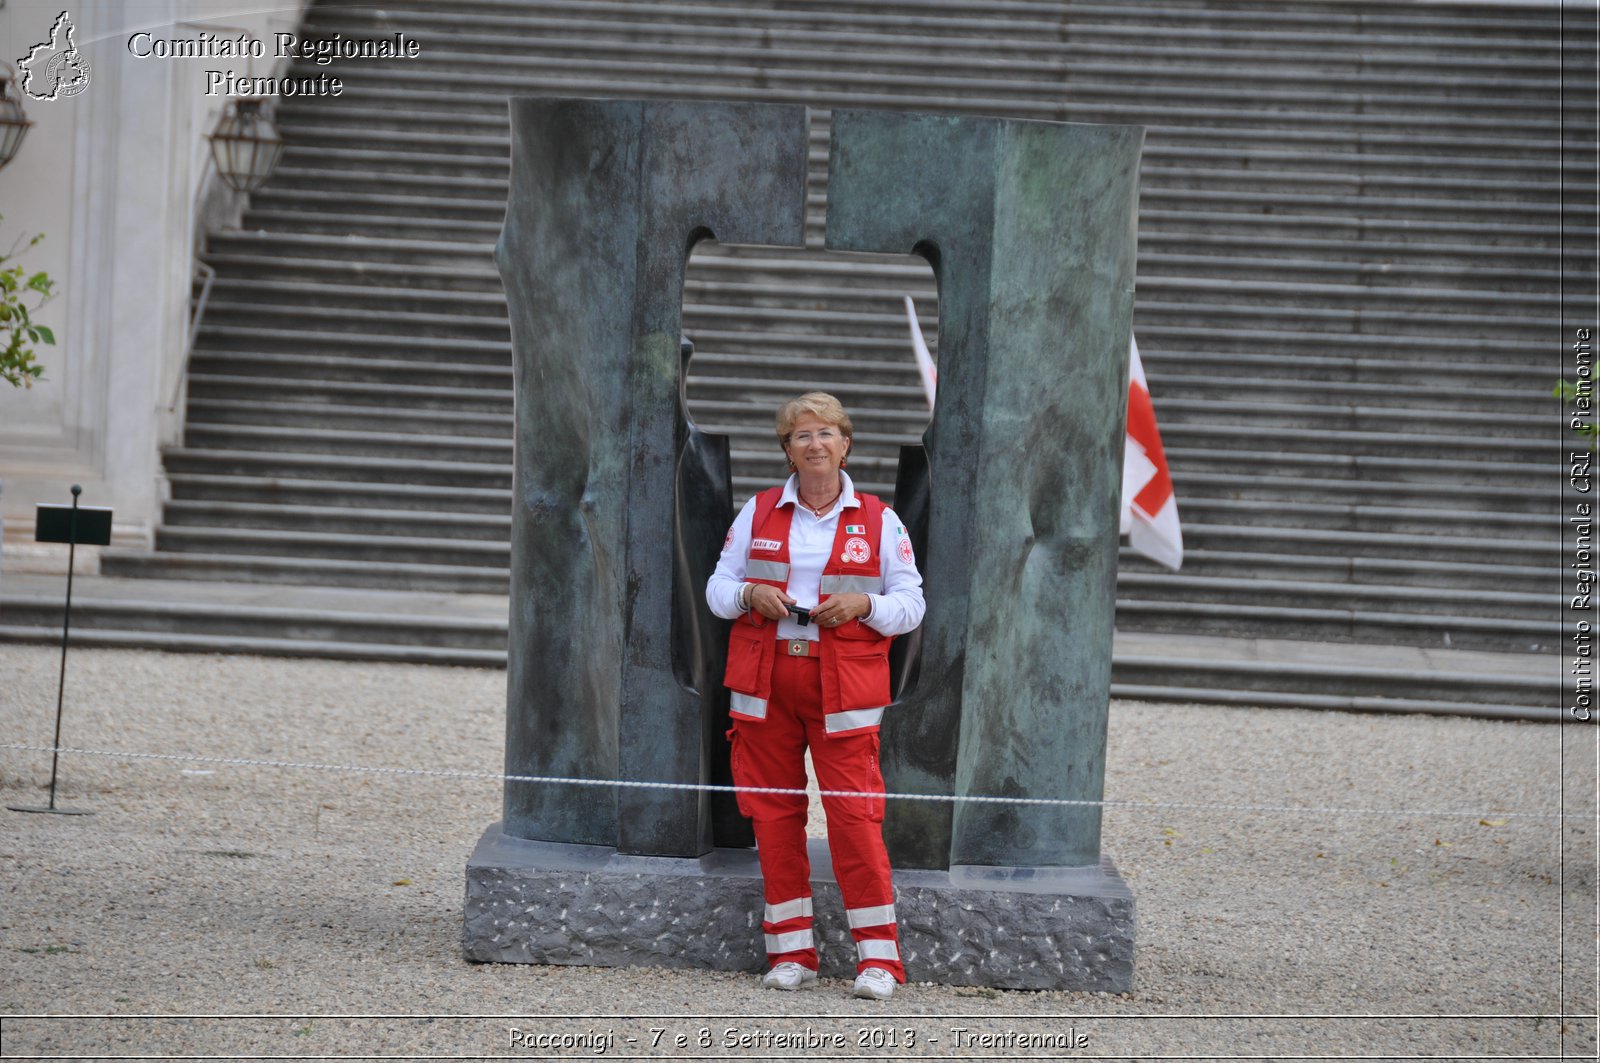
(819, 404)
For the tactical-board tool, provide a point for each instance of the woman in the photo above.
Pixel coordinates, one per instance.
(816, 675)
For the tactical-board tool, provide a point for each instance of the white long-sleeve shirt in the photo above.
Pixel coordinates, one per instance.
(896, 611)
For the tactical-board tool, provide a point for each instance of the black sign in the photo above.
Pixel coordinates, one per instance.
(54, 524)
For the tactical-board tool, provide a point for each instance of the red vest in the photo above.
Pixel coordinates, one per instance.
(855, 658)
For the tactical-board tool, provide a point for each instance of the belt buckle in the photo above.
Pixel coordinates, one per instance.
(799, 647)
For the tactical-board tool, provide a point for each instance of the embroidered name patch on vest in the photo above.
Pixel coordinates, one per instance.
(765, 544)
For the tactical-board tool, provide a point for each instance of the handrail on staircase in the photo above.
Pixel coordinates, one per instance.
(195, 317)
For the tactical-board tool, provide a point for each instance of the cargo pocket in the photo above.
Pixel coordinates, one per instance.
(736, 769)
(863, 677)
(876, 806)
(743, 670)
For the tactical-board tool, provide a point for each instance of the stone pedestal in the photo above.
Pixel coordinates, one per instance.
(1005, 927)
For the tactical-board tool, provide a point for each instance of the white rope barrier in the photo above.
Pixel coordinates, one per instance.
(638, 784)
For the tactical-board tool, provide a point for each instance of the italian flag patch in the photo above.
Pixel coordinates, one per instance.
(855, 529)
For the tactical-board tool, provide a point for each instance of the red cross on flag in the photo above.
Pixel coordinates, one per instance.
(1149, 508)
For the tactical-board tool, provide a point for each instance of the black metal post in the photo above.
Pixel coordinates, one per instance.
(66, 630)
(61, 686)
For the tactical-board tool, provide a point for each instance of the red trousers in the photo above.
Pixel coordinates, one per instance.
(771, 752)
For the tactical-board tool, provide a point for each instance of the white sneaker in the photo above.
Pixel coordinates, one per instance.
(788, 976)
(874, 983)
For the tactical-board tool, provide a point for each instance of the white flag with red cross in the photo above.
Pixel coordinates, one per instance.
(1149, 508)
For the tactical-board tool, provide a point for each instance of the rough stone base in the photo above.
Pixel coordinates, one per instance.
(1007, 928)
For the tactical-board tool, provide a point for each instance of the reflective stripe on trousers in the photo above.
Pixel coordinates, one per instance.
(777, 913)
(848, 720)
(877, 915)
(794, 940)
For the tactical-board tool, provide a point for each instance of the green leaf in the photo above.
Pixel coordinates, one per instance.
(45, 335)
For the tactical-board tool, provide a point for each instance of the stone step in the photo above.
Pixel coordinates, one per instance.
(1274, 412)
(1174, 407)
(344, 141)
(330, 442)
(1356, 517)
(1174, 383)
(1481, 229)
(1448, 501)
(1196, 317)
(1422, 574)
(434, 97)
(1397, 467)
(1152, 589)
(1036, 90)
(1475, 270)
(1319, 675)
(376, 191)
(267, 335)
(353, 494)
(342, 467)
(1309, 250)
(340, 251)
(358, 522)
(1527, 553)
(1279, 443)
(1335, 358)
(421, 127)
(1499, 634)
(517, 46)
(375, 119)
(288, 218)
(334, 546)
(249, 623)
(1453, 494)
(1285, 442)
(1468, 28)
(366, 388)
(1295, 354)
(368, 322)
(318, 572)
(350, 418)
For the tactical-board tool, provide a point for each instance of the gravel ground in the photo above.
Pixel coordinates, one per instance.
(209, 909)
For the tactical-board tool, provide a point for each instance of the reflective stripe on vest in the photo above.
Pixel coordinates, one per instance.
(777, 913)
(793, 941)
(773, 570)
(873, 950)
(750, 705)
(848, 720)
(852, 585)
(878, 915)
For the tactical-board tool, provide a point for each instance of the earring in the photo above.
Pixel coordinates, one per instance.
(791, 465)
(844, 461)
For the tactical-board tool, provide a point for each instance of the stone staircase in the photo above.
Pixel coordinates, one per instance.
(1361, 229)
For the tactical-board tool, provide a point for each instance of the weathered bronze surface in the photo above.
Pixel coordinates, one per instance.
(608, 199)
(1030, 228)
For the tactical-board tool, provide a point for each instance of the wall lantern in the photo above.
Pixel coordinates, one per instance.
(13, 122)
(245, 146)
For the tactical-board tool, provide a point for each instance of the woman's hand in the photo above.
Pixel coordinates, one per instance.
(840, 608)
(770, 602)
